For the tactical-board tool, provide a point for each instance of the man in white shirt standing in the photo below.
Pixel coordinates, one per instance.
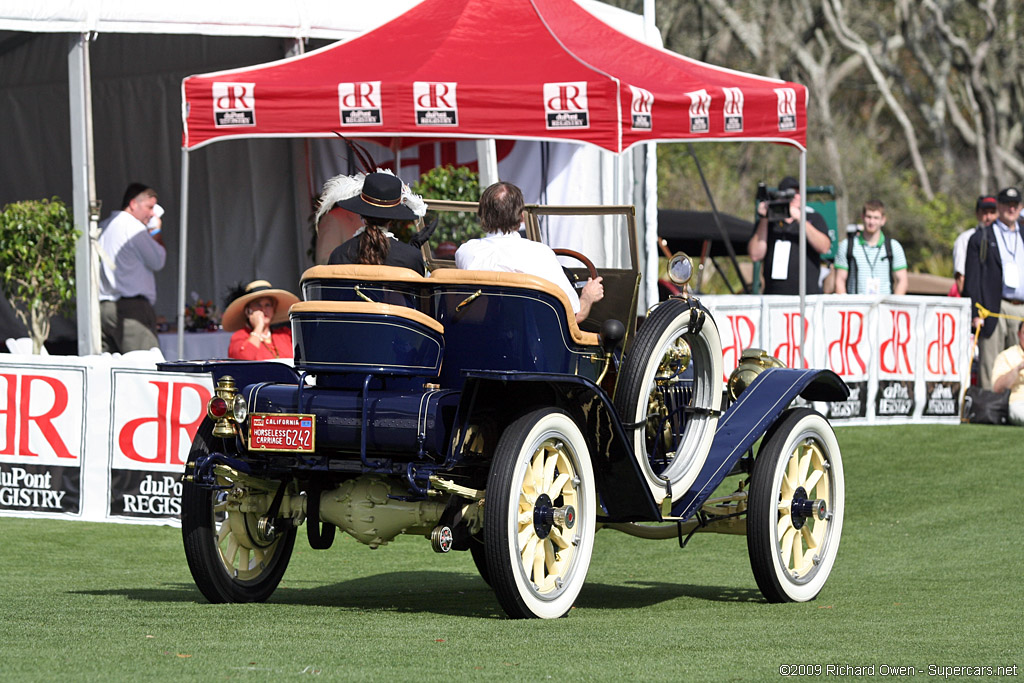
(130, 255)
(501, 213)
(985, 210)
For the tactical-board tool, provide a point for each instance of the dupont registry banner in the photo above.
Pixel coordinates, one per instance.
(95, 438)
(904, 357)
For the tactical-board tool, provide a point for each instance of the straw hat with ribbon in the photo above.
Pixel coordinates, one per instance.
(234, 316)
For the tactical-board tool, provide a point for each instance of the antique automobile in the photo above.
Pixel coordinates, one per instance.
(469, 408)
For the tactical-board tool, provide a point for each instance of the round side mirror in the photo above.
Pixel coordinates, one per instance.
(680, 268)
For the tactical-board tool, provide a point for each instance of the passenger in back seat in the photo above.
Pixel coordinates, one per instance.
(501, 212)
(381, 200)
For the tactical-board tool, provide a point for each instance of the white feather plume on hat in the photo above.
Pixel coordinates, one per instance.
(342, 187)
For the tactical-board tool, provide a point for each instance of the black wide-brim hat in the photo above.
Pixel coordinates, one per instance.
(381, 197)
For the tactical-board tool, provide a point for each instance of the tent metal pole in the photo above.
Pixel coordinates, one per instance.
(84, 205)
(182, 252)
(651, 221)
(487, 158)
(803, 250)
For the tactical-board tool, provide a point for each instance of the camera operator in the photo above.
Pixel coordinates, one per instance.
(776, 242)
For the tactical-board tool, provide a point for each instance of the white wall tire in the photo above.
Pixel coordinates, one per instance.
(675, 413)
(537, 564)
(792, 554)
(226, 562)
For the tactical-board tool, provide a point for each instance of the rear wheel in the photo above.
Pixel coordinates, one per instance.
(228, 561)
(670, 394)
(795, 512)
(539, 516)
(479, 553)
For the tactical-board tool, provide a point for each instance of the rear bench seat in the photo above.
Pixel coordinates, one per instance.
(490, 278)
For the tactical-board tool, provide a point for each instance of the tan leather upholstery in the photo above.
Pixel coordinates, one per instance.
(366, 307)
(363, 272)
(476, 278)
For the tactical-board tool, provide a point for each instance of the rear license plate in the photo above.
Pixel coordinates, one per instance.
(282, 432)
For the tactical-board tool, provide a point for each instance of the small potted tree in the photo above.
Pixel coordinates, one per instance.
(456, 183)
(37, 259)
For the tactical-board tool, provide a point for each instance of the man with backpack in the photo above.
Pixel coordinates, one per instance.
(869, 262)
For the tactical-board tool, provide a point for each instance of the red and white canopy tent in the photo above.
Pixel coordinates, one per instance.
(478, 69)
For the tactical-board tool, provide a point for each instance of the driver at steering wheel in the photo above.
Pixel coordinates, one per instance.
(501, 212)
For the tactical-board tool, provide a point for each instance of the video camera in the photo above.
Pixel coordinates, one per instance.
(777, 201)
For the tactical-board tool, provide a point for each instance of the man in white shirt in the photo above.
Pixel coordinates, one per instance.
(501, 212)
(130, 254)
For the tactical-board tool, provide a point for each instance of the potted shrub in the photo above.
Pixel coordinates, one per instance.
(455, 183)
(37, 258)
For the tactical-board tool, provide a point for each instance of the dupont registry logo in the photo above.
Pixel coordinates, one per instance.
(234, 104)
(435, 104)
(565, 105)
(787, 108)
(733, 111)
(359, 103)
(700, 108)
(640, 109)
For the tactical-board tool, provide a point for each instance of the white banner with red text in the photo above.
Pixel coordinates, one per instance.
(95, 438)
(905, 358)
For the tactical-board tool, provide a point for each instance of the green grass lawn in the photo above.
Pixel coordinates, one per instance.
(929, 574)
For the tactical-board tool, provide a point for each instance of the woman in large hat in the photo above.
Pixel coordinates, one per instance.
(381, 200)
(256, 319)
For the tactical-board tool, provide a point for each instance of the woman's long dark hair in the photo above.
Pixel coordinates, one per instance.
(373, 243)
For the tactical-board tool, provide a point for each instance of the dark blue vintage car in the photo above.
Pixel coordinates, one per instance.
(469, 407)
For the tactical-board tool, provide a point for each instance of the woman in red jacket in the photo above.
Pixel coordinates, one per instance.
(256, 319)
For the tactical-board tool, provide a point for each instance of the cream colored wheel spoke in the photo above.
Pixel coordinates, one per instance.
(529, 550)
(526, 534)
(786, 546)
(549, 468)
(792, 474)
(538, 563)
(557, 538)
(798, 549)
(812, 481)
(785, 524)
(808, 536)
(819, 531)
(558, 487)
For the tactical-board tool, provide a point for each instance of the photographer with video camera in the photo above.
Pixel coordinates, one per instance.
(776, 239)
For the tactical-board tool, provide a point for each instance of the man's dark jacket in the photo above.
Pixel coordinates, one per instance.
(983, 278)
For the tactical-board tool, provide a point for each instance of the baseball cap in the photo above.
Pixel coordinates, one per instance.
(985, 201)
(789, 183)
(1010, 195)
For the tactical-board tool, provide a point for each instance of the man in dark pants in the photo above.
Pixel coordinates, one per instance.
(994, 278)
(130, 254)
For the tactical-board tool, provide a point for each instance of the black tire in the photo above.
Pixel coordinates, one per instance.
(670, 409)
(479, 553)
(227, 563)
(538, 563)
(792, 555)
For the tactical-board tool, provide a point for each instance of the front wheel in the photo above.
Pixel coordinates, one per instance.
(540, 515)
(228, 561)
(669, 394)
(796, 505)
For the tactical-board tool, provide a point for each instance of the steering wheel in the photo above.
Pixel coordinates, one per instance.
(591, 270)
